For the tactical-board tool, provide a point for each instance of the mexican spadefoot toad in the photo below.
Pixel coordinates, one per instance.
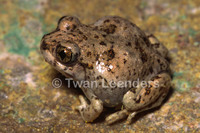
(110, 52)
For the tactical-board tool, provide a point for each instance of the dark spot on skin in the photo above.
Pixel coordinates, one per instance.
(44, 46)
(68, 27)
(95, 110)
(133, 90)
(54, 41)
(128, 44)
(129, 72)
(151, 69)
(99, 77)
(70, 68)
(138, 100)
(106, 21)
(117, 21)
(80, 40)
(144, 57)
(134, 73)
(105, 80)
(156, 45)
(73, 27)
(156, 77)
(158, 61)
(86, 65)
(55, 63)
(96, 28)
(52, 49)
(80, 32)
(150, 98)
(104, 35)
(143, 54)
(102, 43)
(65, 68)
(117, 77)
(71, 34)
(125, 28)
(63, 31)
(96, 98)
(111, 54)
(132, 24)
(96, 36)
(148, 90)
(97, 57)
(125, 61)
(146, 40)
(85, 37)
(89, 54)
(70, 18)
(110, 29)
(58, 35)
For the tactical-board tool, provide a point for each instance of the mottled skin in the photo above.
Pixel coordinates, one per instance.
(111, 49)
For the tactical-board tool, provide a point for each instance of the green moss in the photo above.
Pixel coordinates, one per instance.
(176, 74)
(21, 120)
(15, 44)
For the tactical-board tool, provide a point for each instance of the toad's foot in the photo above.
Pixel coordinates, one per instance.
(120, 115)
(92, 111)
(116, 116)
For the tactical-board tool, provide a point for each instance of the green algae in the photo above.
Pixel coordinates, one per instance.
(15, 44)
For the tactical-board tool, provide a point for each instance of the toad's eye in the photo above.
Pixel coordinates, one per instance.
(64, 55)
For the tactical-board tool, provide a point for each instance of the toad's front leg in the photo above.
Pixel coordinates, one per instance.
(90, 112)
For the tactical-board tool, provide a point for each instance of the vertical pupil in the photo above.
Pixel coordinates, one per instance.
(62, 54)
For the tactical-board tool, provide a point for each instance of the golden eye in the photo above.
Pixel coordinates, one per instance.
(64, 54)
